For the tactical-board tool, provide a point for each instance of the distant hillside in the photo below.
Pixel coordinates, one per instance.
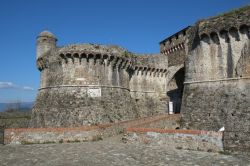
(23, 106)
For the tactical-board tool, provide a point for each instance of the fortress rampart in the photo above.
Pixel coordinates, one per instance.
(202, 72)
(91, 84)
(216, 88)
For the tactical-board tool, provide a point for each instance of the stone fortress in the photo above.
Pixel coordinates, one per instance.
(201, 72)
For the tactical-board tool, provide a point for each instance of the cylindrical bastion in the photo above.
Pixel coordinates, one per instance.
(81, 84)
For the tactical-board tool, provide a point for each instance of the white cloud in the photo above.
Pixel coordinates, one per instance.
(27, 88)
(10, 85)
(7, 85)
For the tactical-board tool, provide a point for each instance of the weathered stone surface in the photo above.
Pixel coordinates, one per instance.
(209, 141)
(51, 135)
(73, 107)
(174, 47)
(111, 152)
(87, 132)
(216, 89)
(235, 18)
(92, 84)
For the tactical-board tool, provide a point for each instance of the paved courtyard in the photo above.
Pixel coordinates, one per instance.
(111, 153)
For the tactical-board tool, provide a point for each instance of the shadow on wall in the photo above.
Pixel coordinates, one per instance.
(175, 95)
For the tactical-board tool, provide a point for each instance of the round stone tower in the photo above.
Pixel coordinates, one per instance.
(46, 42)
(83, 84)
(45, 49)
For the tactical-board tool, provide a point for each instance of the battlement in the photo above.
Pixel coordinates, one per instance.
(95, 58)
(230, 45)
(224, 22)
(151, 71)
(174, 43)
(174, 47)
(227, 35)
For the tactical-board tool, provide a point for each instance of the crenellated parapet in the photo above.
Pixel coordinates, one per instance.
(96, 54)
(148, 81)
(217, 47)
(150, 71)
(174, 47)
(88, 67)
(174, 43)
(224, 22)
(225, 35)
(95, 58)
(217, 54)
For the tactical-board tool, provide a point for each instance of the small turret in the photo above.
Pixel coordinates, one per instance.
(46, 42)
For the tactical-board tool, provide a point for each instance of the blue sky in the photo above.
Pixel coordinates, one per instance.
(137, 25)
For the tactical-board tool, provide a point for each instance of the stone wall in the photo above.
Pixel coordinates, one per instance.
(176, 58)
(216, 92)
(150, 60)
(148, 82)
(81, 105)
(218, 55)
(227, 99)
(84, 133)
(177, 139)
(161, 122)
(95, 69)
(174, 47)
(50, 135)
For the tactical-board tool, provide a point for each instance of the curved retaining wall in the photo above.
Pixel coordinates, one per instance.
(81, 105)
